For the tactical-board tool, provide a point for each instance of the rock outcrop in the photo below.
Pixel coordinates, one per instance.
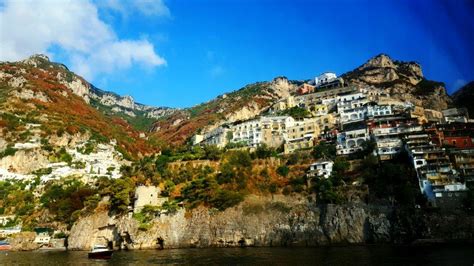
(23, 241)
(256, 222)
(464, 97)
(402, 80)
(24, 161)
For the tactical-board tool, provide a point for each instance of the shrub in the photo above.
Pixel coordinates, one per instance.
(225, 199)
(324, 149)
(283, 170)
(9, 151)
(170, 206)
(263, 151)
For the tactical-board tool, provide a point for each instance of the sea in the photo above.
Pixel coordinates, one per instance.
(334, 255)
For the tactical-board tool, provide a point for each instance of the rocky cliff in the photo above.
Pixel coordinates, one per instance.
(403, 80)
(464, 97)
(283, 221)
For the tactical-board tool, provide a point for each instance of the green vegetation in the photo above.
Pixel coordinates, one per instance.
(9, 151)
(263, 151)
(147, 214)
(15, 198)
(283, 170)
(296, 112)
(324, 150)
(61, 155)
(66, 201)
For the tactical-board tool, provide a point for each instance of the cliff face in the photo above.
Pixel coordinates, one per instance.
(403, 80)
(464, 97)
(256, 222)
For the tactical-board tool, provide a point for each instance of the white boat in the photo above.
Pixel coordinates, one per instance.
(100, 252)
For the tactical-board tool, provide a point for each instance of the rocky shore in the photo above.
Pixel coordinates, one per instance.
(266, 222)
(282, 221)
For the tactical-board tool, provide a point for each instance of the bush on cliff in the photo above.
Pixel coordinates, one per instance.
(225, 199)
(64, 200)
(324, 150)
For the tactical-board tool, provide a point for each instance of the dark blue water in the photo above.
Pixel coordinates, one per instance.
(348, 255)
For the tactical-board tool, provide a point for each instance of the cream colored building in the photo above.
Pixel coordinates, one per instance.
(147, 195)
(269, 130)
(301, 135)
(285, 104)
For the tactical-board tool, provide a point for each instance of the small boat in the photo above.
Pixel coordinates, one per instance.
(100, 252)
(5, 245)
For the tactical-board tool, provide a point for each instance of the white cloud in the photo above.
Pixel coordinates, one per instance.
(152, 7)
(145, 7)
(34, 26)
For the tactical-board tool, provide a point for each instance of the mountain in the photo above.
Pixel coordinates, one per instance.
(38, 92)
(403, 80)
(245, 103)
(464, 97)
(37, 83)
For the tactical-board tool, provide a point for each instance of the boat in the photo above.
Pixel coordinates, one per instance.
(5, 245)
(100, 252)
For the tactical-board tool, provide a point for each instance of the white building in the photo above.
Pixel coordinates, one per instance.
(218, 137)
(248, 132)
(352, 138)
(379, 110)
(325, 78)
(5, 175)
(4, 232)
(321, 168)
(353, 115)
(197, 139)
(42, 238)
(269, 130)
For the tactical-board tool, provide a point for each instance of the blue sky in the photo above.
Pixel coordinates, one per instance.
(200, 49)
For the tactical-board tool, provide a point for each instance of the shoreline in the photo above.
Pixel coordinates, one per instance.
(415, 243)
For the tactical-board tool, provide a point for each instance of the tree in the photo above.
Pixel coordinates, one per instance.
(161, 163)
(225, 199)
(212, 152)
(121, 191)
(263, 151)
(324, 149)
(325, 193)
(283, 170)
(297, 112)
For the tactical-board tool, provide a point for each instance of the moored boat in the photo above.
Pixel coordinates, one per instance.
(5, 245)
(100, 252)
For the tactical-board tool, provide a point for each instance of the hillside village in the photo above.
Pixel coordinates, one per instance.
(381, 135)
(439, 143)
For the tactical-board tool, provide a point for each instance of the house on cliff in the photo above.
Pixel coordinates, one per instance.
(147, 195)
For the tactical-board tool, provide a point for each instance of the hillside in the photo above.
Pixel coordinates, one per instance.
(402, 80)
(464, 97)
(36, 92)
(245, 103)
